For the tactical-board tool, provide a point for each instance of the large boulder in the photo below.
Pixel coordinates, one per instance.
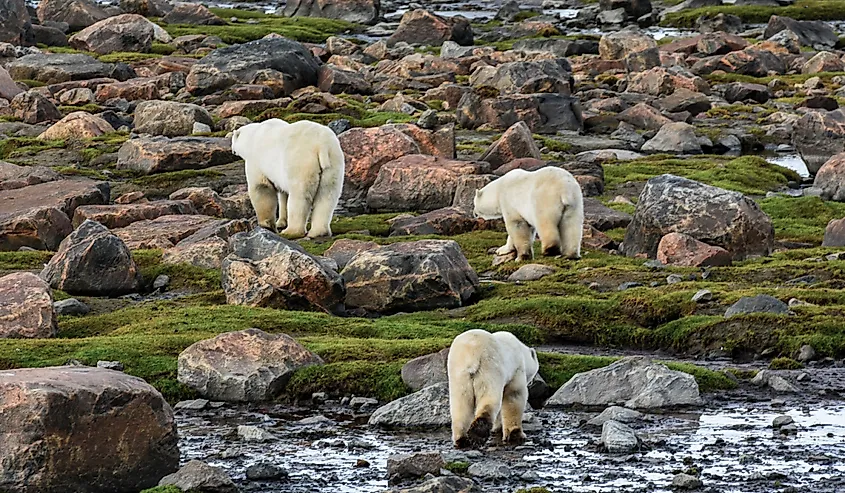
(165, 231)
(52, 68)
(426, 370)
(77, 125)
(750, 61)
(830, 179)
(245, 366)
(426, 409)
(542, 76)
(633, 8)
(674, 138)
(93, 261)
(127, 32)
(635, 382)
(813, 34)
(358, 11)
(422, 27)
(268, 271)
(242, 63)
(671, 204)
(738, 92)
(411, 276)
(27, 307)
(8, 88)
(834, 233)
(83, 429)
(15, 25)
(818, 136)
(542, 113)
(147, 8)
(824, 61)
(161, 154)
(122, 215)
(32, 107)
(13, 176)
(620, 44)
(761, 303)
(419, 182)
(448, 221)
(684, 250)
(194, 14)
(169, 118)
(77, 14)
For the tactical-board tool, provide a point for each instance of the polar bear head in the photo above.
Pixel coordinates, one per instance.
(486, 205)
(249, 136)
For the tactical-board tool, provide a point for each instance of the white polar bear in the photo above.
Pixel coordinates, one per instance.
(297, 167)
(488, 386)
(547, 202)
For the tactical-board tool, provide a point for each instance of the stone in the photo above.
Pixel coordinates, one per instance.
(265, 471)
(166, 231)
(830, 178)
(750, 61)
(255, 434)
(422, 27)
(781, 421)
(357, 11)
(618, 438)
(94, 413)
(193, 14)
(643, 116)
(207, 201)
(633, 8)
(721, 22)
(56, 68)
(8, 88)
(27, 308)
(737, 92)
(543, 113)
(199, 476)
(425, 409)
(604, 218)
(244, 366)
(419, 183)
(818, 136)
(526, 77)
(191, 405)
(517, 142)
(121, 33)
(620, 44)
(635, 381)
(93, 261)
(684, 100)
(334, 80)
(823, 61)
(774, 381)
(77, 125)
(70, 306)
(809, 33)
(834, 233)
(762, 303)
(343, 250)
(31, 107)
(684, 250)
(427, 370)
(489, 470)
(413, 466)
(147, 8)
(659, 81)
(616, 413)
(15, 22)
(169, 118)
(448, 221)
(161, 154)
(674, 138)
(684, 481)
(615, 17)
(557, 47)
(13, 176)
(410, 276)
(531, 272)
(465, 191)
(671, 204)
(77, 14)
(702, 296)
(806, 354)
(443, 484)
(243, 64)
(50, 36)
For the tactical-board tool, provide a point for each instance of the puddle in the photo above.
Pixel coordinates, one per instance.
(791, 161)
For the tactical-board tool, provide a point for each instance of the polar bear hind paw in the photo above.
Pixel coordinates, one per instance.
(479, 432)
(515, 437)
(552, 251)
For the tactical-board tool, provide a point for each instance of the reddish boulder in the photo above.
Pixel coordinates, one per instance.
(164, 231)
(193, 14)
(140, 89)
(121, 33)
(344, 250)
(77, 125)
(449, 221)
(834, 234)
(161, 154)
(32, 107)
(517, 142)
(13, 176)
(465, 191)
(660, 82)
(422, 27)
(27, 307)
(684, 250)
(120, 216)
(78, 14)
(542, 113)
(251, 107)
(644, 116)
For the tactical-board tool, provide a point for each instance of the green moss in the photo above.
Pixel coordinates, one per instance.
(525, 15)
(760, 14)
(457, 467)
(305, 29)
(127, 57)
(553, 144)
(32, 83)
(182, 276)
(537, 489)
(22, 146)
(89, 108)
(23, 260)
(791, 79)
(785, 364)
(162, 49)
(801, 219)
(174, 178)
(163, 489)
(86, 172)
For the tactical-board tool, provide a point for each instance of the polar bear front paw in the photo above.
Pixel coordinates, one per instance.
(505, 249)
(291, 233)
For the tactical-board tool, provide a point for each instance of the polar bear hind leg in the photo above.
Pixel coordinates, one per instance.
(548, 228)
(521, 237)
(264, 201)
(462, 410)
(572, 231)
(488, 405)
(282, 221)
(513, 407)
(327, 194)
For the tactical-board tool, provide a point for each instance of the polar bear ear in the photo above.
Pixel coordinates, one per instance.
(534, 354)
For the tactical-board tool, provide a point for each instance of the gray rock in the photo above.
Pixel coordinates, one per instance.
(774, 381)
(71, 306)
(629, 285)
(426, 370)
(806, 353)
(199, 476)
(265, 471)
(426, 409)
(428, 120)
(487, 470)
(362, 402)
(531, 272)
(686, 482)
(782, 421)
(762, 303)
(674, 279)
(191, 405)
(618, 438)
(616, 413)
(674, 138)
(553, 76)
(161, 281)
(255, 434)
(702, 296)
(110, 365)
(57, 68)
(200, 128)
(445, 484)
(412, 466)
(169, 118)
(340, 126)
(635, 381)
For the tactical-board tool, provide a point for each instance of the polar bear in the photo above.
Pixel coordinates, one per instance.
(547, 202)
(295, 168)
(488, 386)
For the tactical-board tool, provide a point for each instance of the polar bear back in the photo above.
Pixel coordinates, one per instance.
(498, 356)
(529, 193)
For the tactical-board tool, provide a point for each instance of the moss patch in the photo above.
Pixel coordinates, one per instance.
(806, 10)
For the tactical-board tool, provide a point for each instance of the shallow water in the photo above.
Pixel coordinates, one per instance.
(734, 447)
(790, 160)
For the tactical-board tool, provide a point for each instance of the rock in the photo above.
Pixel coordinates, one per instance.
(15, 24)
(334, 80)
(31, 107)
(58, 68)
(265, 471)
(762, 303)
(199, 476)
(781, 421)
(633, 8)
(77, 14)
(208, 202)
(737, 92)
(191, 405)
(161, 154)
(615, 17)
(70, 306)
(543, 113)
(618, 45)
(448, 221)
(834, 233)
(36, 216)
(255, 434)
(684, 481)
(127, 32)
(410, 276)
(750, 61)
(120, 216)
(110, 365)
(344, 250)
(517, 142)
(635, 381)
(245, 366)
(830, 179)
(94, 413)
(616, 413)
(8, 88)
(13, 176)
(618, 438)
(818, 136)
(169, 118)
(643, 116)
(721, 22)
(819, 102)
(443, 484)
(93, 261)
(526, 77)
(147, 8)
(824, 61)
(659, 81)
(425, 409)
(27, 308)
(674, 138)
(774, 381)
(357, 11)
(424, 371)
(465, 191)
(670, 204)
(806, 354)
(809, 33)
(557, 47)
(684, 250)
(489, 470)
(193, 14)
(77, 125)
(413, 466)
(294, 64)
(49, 36)
(422, 27)
(684, 100)
(604, 218)
(641, 61)
(531, 272)
(419, 183)
(166, 231)
(702, 296)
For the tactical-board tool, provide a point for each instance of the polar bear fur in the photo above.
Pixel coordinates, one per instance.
(294, 168)
(547, 202)
(488, 386)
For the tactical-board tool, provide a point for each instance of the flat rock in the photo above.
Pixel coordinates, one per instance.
(616, 413)
(343, 250)
(120, 216)
(427, 370)
(199, 476)
(13, 176)
(531, 272)
(161, 154)
(56, 68)
(415, 465)
(164, 231)
(762, 303)
(618, 438)
(425, 409)
(604, 218)
(684, 250)
(27, 308)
